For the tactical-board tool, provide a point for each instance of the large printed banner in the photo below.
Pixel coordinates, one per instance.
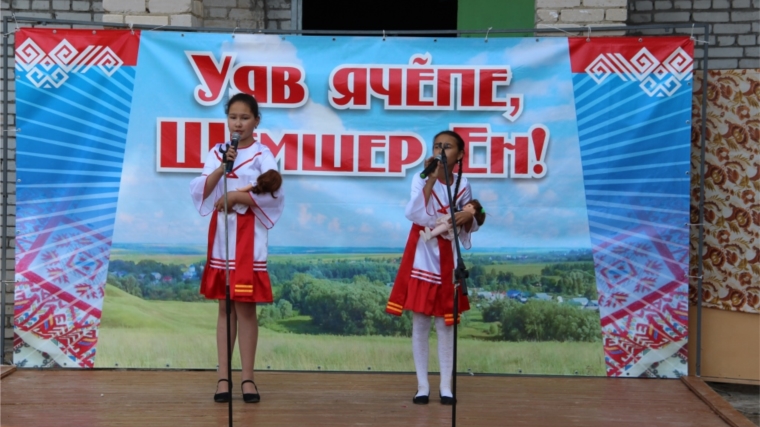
(578, 149)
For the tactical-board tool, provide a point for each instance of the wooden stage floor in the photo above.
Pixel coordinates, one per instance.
(108, 398)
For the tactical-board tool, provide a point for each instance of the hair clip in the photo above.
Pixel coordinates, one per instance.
(482, 210)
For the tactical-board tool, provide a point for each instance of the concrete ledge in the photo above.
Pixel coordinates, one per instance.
(170, 6)
(128, 6)
(118, 19)
(185, 20)
(146, 20)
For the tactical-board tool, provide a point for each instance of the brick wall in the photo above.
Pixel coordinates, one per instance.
(570, 14)
(249, 14)
(243, 14)
(74, 10)
(179, 13)
(734, 27)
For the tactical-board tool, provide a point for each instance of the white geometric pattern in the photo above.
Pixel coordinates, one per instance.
(657, 79)
(52, 69)
(28, 55)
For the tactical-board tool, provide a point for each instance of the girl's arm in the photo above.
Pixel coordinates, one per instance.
(419, 209)
(465, 220)
(234, 198)
(205, 189)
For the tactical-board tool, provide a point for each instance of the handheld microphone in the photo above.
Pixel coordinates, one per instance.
(234, 143)
(431, 167)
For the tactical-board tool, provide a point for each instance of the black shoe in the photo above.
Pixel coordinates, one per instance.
(250, 397)
(223, 397)
(446, 400)
(421, 400)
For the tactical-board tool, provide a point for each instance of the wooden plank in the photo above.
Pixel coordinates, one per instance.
(719, 405)
(730, 380)
(6, 370)
(108, 398)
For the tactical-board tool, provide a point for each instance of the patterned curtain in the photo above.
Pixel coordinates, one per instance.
(731, 252)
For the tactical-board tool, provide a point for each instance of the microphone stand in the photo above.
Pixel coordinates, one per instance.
(227, 285)
(460, 276)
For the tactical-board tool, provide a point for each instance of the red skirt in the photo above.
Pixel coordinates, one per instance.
(247, 284)
(432, 299)
(213, 286)
(419, 296)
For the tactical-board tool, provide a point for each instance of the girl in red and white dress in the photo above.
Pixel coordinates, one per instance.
(255, 202)
(424, 283)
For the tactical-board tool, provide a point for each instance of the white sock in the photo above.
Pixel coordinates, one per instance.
(445, 354)
(421, 351)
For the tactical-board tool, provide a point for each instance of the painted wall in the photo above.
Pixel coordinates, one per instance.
(482, 14)
(730, 346)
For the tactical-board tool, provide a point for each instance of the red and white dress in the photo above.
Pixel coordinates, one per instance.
(425, 280)
(247, 225)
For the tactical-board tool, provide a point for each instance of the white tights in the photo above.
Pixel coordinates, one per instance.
(421, 351)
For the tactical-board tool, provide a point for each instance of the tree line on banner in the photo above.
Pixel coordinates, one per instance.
(538, 297)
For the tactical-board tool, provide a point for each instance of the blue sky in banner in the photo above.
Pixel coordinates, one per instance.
(155, 207)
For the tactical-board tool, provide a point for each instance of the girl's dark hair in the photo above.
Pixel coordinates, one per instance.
(460, 146)
(245, 98)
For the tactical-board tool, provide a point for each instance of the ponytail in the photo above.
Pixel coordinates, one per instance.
(456, 187)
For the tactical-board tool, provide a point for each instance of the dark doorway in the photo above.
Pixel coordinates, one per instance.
(386, 15)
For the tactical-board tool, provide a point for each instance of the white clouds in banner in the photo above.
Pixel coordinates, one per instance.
(258, 48)
(392, 226)
(479, 59)
(307, 218)
(509, 218)
(317, 118)
(535, 54)
(485, 196)
(125, 218)
(309, 185)
(550, 196)
(528, 189)
(534, 87)
(548, 114)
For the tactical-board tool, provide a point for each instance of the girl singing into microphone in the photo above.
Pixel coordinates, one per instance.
(255, 203)
(424, 283)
